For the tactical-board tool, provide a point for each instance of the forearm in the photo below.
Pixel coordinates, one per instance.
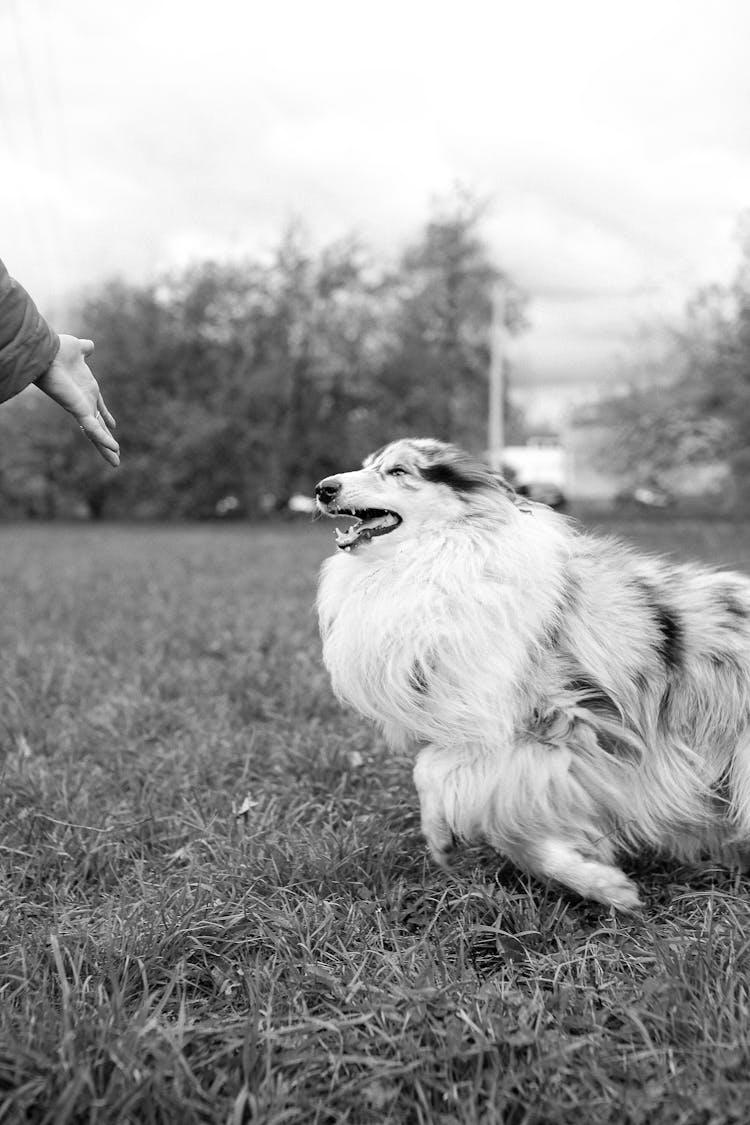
(27, 343)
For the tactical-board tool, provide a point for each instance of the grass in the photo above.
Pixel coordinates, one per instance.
(214, 902)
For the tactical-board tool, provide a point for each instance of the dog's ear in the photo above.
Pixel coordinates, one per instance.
(465, 474)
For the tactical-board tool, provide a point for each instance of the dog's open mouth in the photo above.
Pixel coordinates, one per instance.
(368, 522)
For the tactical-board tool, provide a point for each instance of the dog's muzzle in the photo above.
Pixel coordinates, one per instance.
(368, 522)
(327, 490)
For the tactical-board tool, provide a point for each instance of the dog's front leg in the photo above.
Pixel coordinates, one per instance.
(428, 778)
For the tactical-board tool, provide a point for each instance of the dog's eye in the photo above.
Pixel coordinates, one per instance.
(396, 471)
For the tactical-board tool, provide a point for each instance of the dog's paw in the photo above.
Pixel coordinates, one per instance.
(615, 889)
(443, 852)
(590, 878)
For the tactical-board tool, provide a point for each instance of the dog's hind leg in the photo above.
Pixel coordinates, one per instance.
(435, 828)
(543, 817)
(739, 791)
(562, 861)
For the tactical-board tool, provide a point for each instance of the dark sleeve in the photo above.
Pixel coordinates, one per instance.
(27, 343)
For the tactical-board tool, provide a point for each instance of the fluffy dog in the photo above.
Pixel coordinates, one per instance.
(571, 699)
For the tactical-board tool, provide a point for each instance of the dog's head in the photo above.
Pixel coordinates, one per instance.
(407, 487)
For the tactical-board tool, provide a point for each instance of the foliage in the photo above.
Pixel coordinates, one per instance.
(692, 406)
(651, 430)
(436, 372)
(215, 901)
(254, 379)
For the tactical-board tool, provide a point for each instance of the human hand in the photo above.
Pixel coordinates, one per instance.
(70, 383)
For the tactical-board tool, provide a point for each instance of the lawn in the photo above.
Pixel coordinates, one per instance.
(214, 901)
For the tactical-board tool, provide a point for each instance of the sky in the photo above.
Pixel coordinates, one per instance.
(610, 140)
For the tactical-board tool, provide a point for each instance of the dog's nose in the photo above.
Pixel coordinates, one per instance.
(328, 489)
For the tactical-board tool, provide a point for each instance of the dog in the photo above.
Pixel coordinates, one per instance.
(572, 700)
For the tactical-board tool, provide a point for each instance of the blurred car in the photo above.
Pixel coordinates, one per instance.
(301, 504)
(646, 496)
(228, 507)
(542, 492)
(537, 470)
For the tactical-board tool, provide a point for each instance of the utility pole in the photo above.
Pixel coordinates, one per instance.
(496, 420)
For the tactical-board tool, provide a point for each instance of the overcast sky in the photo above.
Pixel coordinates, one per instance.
(613, 140)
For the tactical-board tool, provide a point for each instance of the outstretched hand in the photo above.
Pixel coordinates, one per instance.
(71, 384)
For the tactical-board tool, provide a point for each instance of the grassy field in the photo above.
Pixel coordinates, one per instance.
(214, 903)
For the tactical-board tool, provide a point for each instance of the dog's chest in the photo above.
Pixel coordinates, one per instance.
(376, 621)
(408, 648)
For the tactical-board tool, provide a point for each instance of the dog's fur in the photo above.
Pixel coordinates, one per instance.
(571, 699)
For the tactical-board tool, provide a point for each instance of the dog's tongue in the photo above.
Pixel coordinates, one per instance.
(365, 529)
(348, 538)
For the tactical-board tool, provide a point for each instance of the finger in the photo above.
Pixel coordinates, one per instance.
(87, 346)
(97, 433)
(109, 456)
(101, 406)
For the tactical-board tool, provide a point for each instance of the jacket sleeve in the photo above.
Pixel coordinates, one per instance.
(27, 343)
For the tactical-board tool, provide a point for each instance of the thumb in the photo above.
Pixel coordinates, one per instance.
(87, 347)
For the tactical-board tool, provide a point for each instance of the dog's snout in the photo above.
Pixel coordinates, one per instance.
(327, 490)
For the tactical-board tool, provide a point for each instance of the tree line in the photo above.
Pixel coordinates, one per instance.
(253, 379)
(237, 384)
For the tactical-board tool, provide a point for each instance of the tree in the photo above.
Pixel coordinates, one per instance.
(649, 433)
(324, 343)
(691, 408)
(436, 374)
